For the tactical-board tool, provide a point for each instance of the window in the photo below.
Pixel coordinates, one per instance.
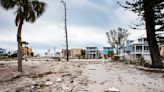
(133, 48)
(145, 39)
(146, 48)
(138, 48)
(139, 40)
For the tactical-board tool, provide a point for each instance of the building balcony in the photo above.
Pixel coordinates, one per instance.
(146, 50)
(141, 51)
(138, 50)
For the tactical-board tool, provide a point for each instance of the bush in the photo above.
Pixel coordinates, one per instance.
(146, 64)
(115, 58)
(126, 62)
(142, 62)
(133, 62)
(130, 62)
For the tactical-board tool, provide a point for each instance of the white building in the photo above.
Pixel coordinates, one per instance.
(92, 53)
(138, 48)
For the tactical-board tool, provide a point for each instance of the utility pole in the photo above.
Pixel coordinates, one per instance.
(54, 51)
(65, 11)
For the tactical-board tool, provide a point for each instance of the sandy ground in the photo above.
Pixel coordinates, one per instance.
(77, 76)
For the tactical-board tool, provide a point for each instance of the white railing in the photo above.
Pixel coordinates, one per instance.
(138, 50)
(146, 50)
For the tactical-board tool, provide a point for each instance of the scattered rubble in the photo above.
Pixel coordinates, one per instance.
(42, 76)
(48, 83)
(58, 79)
(113, 89)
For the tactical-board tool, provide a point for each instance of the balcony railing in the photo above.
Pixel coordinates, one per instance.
(138, 50)
(146, 50)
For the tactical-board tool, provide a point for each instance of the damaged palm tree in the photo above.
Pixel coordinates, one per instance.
(26, 10)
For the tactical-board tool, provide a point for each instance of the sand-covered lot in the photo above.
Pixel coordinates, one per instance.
(77, 76)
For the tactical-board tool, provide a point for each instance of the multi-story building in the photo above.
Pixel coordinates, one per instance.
(160, 39)
(72, 53)
(27, 52)
(2, 51)
(57, 54)
(162, 50)
(64, 53)
(107, 51)
(138, 48)
(76, 53)
(127, 48)
(92, 53)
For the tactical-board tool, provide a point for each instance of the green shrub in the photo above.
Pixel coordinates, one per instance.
(130, 62)
(133, 62)
(115, 58)
(78, 65)
(126, 62)
(142, 62)
(146, 64)
(37, 76)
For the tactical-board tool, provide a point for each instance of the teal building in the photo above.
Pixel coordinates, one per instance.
(106, 50)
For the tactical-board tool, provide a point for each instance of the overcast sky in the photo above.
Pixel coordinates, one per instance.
(88, 20)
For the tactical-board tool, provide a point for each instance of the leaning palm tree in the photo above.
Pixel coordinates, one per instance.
(26, 10)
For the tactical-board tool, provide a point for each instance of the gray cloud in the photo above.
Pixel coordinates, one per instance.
(87, 23)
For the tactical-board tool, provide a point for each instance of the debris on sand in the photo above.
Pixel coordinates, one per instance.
(48, 83)
(112, 89)
(58, 79)
(42, 76)
(66, 74)
(66, 88)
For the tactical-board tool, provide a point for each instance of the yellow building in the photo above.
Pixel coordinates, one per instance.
(72, 53)
(76, 52)
(64, 53)
(27, 51)
(162, 51)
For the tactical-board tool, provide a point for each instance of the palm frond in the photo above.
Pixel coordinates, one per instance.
(38, 7)
(8, 4)
(28, 10)
(19, 16)
(35, 10)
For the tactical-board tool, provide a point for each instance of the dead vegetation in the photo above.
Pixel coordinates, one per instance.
(41, 77)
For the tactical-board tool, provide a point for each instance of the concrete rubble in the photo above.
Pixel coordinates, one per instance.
(113, 89)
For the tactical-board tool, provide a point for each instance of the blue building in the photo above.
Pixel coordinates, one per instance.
(127, 48)
(106, 50)
(2, 51)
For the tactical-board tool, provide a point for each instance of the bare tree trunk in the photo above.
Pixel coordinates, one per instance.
(19, 40)
(117, 49)
(150, 29)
